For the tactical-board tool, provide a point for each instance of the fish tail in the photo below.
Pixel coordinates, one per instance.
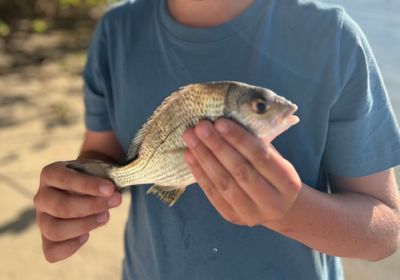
(125, 176)
(95, 168)
(120, 176)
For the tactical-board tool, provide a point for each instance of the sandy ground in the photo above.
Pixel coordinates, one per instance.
(41, 122)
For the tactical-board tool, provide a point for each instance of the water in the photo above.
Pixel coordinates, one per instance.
(380, 21)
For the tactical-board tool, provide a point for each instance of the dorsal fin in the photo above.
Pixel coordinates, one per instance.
(134, 147)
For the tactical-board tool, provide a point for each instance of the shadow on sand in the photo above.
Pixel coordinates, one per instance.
(26, 217)
(22, 222)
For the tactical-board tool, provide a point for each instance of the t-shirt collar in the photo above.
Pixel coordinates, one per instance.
(210, 34)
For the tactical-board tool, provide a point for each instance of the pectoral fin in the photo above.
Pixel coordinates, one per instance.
(167, 194)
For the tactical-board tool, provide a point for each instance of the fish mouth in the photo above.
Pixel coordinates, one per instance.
(292, 120)
(288, 117)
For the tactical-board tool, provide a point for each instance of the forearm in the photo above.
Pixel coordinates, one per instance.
(347, 224)
(101, 146)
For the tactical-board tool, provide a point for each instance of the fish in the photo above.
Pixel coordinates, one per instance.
(156, 153)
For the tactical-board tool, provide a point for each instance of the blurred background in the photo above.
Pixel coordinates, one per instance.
(43, 46)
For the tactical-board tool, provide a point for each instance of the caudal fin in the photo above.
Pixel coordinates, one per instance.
(94, 168)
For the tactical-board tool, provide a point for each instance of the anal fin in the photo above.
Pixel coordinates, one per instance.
(169, 195)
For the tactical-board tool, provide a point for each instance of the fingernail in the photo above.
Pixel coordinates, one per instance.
(115, 200)
(189, 140)
(84, 238)
(102, 217)
(222, 126)
(106, 188)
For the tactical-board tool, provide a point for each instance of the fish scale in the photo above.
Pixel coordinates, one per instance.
(156, 154)
(167, 144)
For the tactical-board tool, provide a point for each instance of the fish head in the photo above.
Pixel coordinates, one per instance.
(260, 110)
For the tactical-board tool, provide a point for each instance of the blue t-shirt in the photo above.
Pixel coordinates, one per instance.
(310, 52)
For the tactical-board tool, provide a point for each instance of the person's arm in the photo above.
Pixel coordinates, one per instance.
(70, 204)
(102, 146)
(250, 183)
(360, 220)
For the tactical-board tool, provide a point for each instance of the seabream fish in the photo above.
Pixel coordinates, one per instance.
(155, 155)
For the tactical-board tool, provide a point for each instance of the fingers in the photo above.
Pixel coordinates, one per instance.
(69, 205)
(57, 251)
(59, 176)
(263, 157)
(56, 230)
(67, 226)
(255, 186)
(61, 204)
(226, 188)
(246, 180)
(213, 195)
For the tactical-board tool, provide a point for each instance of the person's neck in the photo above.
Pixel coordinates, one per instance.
(206, 13)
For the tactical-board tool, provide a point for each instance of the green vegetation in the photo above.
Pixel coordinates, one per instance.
(40, 16)
(4, 29)
(36, 32)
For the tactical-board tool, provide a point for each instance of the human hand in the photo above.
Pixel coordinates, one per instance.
(68, 206)
(244, 178)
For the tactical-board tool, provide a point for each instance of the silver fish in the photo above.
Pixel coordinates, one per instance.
(155, 155)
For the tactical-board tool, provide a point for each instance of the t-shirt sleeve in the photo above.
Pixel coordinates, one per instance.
(97, 84)
(363, 136)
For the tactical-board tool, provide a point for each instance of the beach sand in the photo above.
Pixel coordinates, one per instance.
(41, 122)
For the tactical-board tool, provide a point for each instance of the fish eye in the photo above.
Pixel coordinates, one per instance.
(259, 106)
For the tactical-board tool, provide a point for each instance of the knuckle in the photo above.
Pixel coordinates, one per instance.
(238, 138)
(99, 206)
(89, 185)
(49, 228)
(206, 155)
(237, 197)
(52, 231)
(94, 206)
(242, 172)
(48, 170)
(217, 144)
(291, 183)
(209, 190)
(44, 175)
(84, 206)
(65, 179)
(61, 208)
(260, 156)
(223, 182)
(36, 200)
